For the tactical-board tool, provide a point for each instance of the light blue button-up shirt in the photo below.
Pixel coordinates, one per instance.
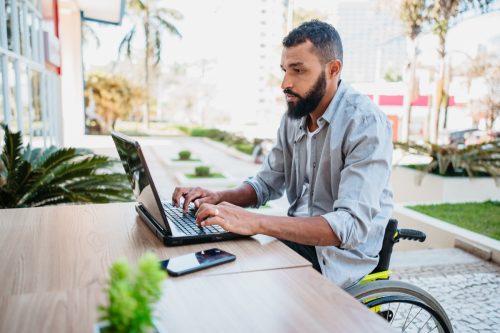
(349, 186)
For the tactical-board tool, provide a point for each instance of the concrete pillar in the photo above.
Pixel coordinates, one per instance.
(72, 103)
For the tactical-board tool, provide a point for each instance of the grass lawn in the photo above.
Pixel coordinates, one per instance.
(483, 217)
(212, 175)
(189, 160)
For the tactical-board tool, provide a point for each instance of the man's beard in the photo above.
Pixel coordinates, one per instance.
(306, 105)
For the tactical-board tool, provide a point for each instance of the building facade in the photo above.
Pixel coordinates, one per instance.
(41, 81)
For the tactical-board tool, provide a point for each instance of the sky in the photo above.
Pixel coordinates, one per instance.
(207, 24)
(199, 31)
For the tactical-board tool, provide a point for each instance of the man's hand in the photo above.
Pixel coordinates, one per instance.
(230, 217)
(197, 195)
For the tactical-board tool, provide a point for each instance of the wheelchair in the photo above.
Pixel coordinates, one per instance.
(403, 305)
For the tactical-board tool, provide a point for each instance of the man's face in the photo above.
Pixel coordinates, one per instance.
(304, 82)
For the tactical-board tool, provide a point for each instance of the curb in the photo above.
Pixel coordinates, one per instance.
(448, 235)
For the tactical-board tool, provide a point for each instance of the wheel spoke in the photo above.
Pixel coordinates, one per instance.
(408, 315)
(411, 321)
(396, 313)
(430, 316)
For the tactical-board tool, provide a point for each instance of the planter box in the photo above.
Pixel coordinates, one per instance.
(184, 165)
(442, 235)
(435, 188)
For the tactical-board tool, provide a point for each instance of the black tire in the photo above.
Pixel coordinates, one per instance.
(369, 293)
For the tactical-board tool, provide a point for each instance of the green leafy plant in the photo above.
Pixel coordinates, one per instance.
(202, 171)
(472, 160)
(233, 140)
(132, 294)
(32, 177)
(184, 155)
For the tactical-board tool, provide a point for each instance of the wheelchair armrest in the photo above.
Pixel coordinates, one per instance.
(410, 234)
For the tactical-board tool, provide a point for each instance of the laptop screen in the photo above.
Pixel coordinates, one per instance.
(138, 174)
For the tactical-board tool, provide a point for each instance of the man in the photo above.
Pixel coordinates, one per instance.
(333, 159)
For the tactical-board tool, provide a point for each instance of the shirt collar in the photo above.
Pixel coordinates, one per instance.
(327, 115)
(334, 104)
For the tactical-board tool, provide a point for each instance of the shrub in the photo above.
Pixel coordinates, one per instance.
(131, 295)
(245, 148)
(237, 141)
(202, 171)
(205, 132)
(184, 155)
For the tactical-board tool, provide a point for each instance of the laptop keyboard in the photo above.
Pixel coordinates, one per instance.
(186, 221)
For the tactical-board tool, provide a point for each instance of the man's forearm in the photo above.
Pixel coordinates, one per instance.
(304, 230)
(243, 196)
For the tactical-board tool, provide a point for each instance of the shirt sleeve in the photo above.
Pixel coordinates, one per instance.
(368, 153)
(269, 183)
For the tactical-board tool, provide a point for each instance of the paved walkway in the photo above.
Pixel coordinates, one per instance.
(466, 286)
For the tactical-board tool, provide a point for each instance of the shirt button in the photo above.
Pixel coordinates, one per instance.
(314, 165)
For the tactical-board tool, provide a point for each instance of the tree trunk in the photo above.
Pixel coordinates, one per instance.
(446, 92)
(438, 97)
(411, 88)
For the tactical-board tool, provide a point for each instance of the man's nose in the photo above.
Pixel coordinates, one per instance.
(286, 83)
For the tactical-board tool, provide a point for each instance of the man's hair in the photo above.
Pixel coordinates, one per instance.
(324, 37)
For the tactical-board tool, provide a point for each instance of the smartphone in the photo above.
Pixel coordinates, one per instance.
(196, 261)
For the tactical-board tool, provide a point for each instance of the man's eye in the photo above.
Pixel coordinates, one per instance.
(296, 70)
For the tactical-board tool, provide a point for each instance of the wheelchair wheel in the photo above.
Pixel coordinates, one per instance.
(403, 305)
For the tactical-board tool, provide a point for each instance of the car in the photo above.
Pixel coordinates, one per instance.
(457, 138)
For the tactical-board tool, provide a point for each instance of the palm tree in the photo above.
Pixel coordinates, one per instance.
(442, 14)
(412, 14)
(88, 34)
(32, 177)
(154, 22)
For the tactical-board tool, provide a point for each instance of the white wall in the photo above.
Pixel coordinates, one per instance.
(434, 188)
(72, 108)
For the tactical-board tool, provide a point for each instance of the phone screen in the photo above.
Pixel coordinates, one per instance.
(195, 261)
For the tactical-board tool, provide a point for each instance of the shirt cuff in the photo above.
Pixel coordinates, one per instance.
(258, 191)
(348, 229)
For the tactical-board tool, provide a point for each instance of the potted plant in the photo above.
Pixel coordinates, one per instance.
(33, 177)
(453, 174)
(131, 296)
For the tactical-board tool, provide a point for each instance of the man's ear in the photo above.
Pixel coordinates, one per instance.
(334, 67)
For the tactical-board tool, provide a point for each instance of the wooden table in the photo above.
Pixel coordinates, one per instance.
(54, 263)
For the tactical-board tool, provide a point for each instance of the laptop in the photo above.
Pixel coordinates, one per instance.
(168, 223)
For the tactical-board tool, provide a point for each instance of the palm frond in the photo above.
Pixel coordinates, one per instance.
(127, 41)
(13, 144)
(74, 169)
(57, 157)
(157, 47)
(169, 26)
(173, 13)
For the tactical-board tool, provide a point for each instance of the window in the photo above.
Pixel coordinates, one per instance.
(29, 93)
